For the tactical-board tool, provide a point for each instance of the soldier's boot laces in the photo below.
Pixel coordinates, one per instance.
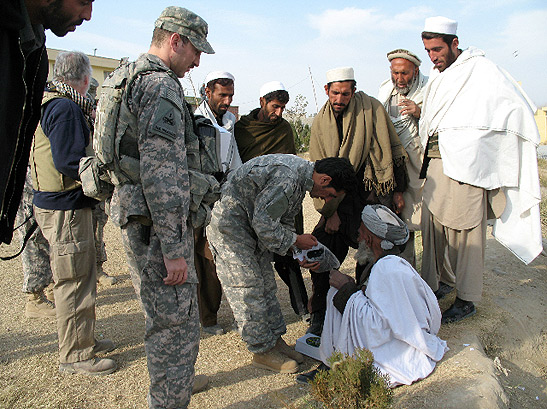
(38, 306)
(274, 360)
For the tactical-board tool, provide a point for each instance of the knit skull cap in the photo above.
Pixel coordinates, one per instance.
(407, 55)
(271, 87)
(440, 25)
(385, 224)
(340, 74)
(216, 75)
(186, 23)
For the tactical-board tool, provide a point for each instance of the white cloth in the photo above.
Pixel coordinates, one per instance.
(229, 154)
(407, 129)
(397, 319)
(488, 138)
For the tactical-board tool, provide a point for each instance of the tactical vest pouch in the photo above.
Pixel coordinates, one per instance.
(92, 184)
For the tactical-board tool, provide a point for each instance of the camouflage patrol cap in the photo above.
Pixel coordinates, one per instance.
(186, 23)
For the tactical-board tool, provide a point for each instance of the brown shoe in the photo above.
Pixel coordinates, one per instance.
(38, 306)
(200, 383)
(274, 360)
(93, 366)
(286, 350)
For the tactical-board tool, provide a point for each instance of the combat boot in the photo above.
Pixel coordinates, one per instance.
(38, 306)
(274, 360)
(105, 279)
(200, 383)
(286, 350)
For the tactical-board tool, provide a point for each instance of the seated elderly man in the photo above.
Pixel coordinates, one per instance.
(395, 315)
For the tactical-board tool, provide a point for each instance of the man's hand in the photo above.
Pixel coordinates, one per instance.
(177, 271)
(337, 279)
(305, 241)
(333, 224)
(398, 202)
(311, 265)
(409, 107)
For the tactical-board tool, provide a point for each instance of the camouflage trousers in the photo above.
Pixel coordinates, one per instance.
(248, 281)
(35, 257)
(171, 337)
(99, 221)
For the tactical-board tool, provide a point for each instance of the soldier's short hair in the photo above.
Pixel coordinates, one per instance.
(340, 170)
(279, 95)
(160, 35)
(72, 67)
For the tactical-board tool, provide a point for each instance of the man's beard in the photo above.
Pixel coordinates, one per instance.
(405, 90)
(55, 20)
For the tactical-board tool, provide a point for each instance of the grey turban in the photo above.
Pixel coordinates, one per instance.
(385, 224)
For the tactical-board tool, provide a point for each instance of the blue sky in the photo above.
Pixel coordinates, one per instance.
(261, 41)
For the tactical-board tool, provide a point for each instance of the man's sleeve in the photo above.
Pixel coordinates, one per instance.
(345, 292)
(271, 204)
(163, 165)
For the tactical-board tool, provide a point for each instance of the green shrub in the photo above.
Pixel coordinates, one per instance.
(353, 382)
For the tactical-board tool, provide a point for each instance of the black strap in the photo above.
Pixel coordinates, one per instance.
(30, 231)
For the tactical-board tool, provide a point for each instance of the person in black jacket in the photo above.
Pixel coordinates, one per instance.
(24, 69)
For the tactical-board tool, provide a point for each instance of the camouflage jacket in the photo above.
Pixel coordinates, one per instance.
(265, 194)
(163, 196)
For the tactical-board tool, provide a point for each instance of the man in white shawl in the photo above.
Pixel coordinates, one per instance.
(480, 137)
(395, 315)
(217, 91)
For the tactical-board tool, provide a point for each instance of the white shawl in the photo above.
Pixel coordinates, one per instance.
(488, 138)
(397, 319)
(228, 148)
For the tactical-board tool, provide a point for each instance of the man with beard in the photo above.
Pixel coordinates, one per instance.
(479, 134)
(262, 132)
(24, 68)
(218, 91)
(402, 97)
(356, 126)
(390, 311)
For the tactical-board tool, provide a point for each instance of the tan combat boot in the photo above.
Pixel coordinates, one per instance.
(93, 366)
(200, 383)
(275, 361)
(38, 306)
(105, 279)
(286, 350)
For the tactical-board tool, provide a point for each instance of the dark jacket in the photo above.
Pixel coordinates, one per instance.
(23, 69)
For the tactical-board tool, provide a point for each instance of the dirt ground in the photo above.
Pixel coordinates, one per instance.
(497, 358)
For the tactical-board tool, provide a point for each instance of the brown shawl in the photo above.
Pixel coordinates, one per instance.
(369, 139)
(255, 138)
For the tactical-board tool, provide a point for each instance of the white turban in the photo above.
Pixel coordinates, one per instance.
(340, 74)
(271, 87)
(385, 224)
(216, 75)
(440, 25)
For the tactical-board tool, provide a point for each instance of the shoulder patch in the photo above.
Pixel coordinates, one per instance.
(168, 120)
(278, 208)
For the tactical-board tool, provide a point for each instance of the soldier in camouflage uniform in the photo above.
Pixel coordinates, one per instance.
(253, 220)
(34, 258)
(153, 214)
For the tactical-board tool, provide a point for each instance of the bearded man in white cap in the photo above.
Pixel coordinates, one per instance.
(478, 131)
(390, 311)
(356, 126)
(264, 131)
(402, 96)
(217, 91)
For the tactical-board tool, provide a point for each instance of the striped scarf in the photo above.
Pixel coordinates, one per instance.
(84, 103)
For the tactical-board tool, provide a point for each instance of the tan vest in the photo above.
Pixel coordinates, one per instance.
(45, 177)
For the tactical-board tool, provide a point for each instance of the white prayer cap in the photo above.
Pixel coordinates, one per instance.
(340, 74)
(385, 224)
(271, 87)
(440, 25)
(216, 75)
